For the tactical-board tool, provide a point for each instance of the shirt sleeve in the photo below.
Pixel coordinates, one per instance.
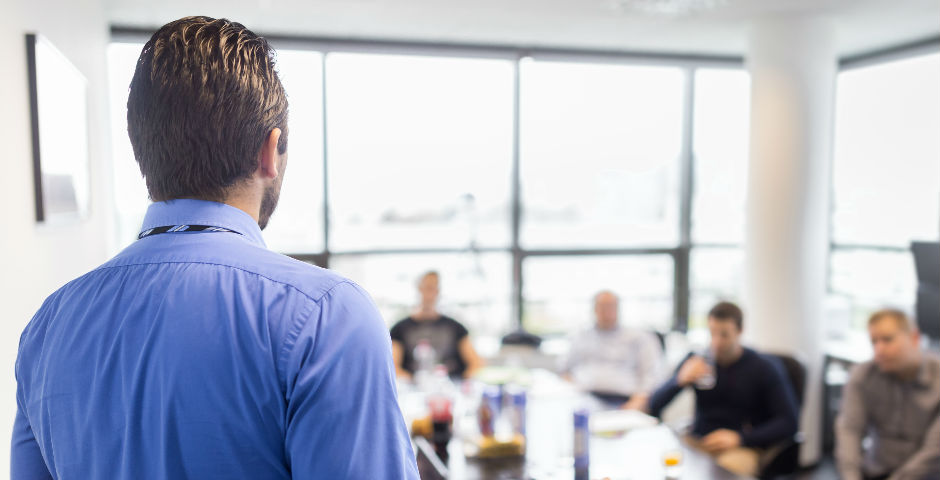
(850, 427)
(398, 332)
(784, 420)
(460, 331)
(651, 359)
(26, 462)
(925, 462)
(343, 419)
(574, 356)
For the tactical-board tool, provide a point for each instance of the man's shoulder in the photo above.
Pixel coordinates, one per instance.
(404, 324)
(931, 365)
(451, 322)
(932, 361)
(767, 362)
(236, 256)
(586, 336)
(639, 335)
(311, 280)
(862, 372)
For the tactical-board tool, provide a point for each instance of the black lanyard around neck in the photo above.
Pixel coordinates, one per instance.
(182, 228)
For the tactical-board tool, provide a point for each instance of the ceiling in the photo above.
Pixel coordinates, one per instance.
(861, 25)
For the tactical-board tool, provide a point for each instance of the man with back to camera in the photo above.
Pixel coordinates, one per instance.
(196, 352)
(895, 400)
(617, 364)
(748, 407)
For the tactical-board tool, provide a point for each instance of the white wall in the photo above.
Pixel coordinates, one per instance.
(37, 259)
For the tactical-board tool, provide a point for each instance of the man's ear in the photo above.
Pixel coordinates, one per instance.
(268, 157)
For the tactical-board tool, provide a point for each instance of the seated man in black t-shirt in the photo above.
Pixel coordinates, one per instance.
(439, 338)
(744, 402)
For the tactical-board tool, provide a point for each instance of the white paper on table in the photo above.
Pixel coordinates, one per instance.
(620, 421)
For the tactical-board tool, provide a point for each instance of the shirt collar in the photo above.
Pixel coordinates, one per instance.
(184, 211)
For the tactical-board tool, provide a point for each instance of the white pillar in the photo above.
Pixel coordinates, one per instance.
(793, 65)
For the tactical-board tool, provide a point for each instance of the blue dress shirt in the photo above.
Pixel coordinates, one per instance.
(204, 355)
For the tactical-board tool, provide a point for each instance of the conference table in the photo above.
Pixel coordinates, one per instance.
(635, 453)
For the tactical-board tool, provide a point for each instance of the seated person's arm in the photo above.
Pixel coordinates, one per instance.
(398, 356)
(469, 356)
(572, 358)
(850, 428)
(639, 402)
(784, 421)
(691, 369)
(925, 462)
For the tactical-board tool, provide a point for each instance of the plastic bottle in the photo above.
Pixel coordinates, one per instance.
(425, 358)
(440, 403)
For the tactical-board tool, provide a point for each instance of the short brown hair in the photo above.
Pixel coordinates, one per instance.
(204, 98)
(727, 311)
(900, 318)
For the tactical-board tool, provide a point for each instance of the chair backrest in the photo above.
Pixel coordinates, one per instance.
(795, 372)
(520, 337)
(662, 340)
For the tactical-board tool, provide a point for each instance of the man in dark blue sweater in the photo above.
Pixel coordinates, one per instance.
(744, 402)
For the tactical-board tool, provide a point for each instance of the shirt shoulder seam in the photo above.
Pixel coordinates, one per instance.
(290, 339)
(266, 277)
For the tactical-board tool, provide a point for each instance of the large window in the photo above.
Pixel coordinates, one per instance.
(529, 184)
(475, 287)
(720, 153)
(420, 151)
(297, 224)
(600, 155)
(559, 289)
(886, 180)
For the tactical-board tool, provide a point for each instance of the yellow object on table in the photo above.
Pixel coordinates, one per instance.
(490, 447)
(422, 427)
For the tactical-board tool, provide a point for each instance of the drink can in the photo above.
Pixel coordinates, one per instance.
(582, 437)
(518, 411)
(486, 414)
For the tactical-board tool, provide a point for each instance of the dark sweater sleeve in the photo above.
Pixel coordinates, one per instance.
(666, 392)
(784, 419)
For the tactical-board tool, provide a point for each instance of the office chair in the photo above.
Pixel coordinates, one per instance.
(786, 461)
(523, 338)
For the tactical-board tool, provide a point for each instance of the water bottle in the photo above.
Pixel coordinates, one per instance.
(440, 403)
(425, 358)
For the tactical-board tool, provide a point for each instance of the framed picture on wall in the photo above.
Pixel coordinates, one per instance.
(59, 117)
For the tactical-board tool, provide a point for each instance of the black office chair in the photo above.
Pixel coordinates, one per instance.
(523, 338)
(787, 460)
(662, 340)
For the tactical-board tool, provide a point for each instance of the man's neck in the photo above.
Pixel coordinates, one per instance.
(732, 357)
(245, 203)
(426, 313)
